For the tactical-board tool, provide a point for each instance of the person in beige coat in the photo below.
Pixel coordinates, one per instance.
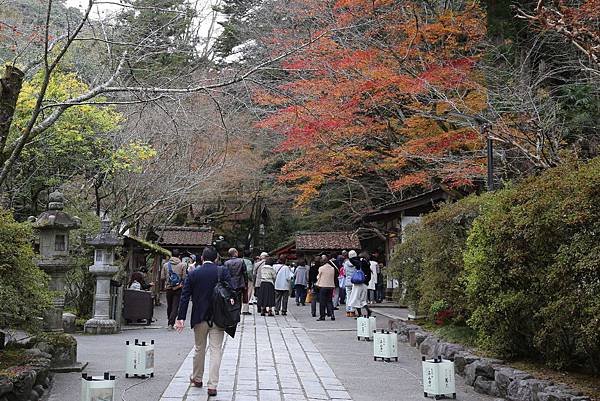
(257, 273)
(266, 295)
(326, 280)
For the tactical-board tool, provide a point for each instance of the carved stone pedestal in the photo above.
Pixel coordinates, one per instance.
(101, 323)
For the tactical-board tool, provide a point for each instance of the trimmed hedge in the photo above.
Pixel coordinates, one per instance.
(533, 264)
(522, 265)
(24, 293)
(430, 260)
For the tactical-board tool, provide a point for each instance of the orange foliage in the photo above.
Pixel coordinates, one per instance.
(378, 94)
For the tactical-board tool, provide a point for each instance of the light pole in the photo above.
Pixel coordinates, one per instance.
(490, 163)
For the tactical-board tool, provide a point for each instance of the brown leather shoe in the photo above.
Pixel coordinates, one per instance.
(212, 392)
(195, 382)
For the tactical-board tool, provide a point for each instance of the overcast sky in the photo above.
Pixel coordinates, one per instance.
(109, 8)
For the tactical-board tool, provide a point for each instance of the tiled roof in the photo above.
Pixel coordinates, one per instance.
(327, 241)
(288, 247)
(190, 236)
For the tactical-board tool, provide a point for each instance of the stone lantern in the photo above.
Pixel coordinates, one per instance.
(103, 268)
(53, 226)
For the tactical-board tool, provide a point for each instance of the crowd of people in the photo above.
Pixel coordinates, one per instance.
(350, 279)
(328, 280)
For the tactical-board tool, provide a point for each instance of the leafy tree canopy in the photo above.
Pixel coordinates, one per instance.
(24, 293)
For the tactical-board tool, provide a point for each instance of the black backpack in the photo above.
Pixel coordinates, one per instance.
(226, 306)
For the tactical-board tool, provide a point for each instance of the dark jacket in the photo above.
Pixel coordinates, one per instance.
(363, 265)
(199, 288)
(237, 269)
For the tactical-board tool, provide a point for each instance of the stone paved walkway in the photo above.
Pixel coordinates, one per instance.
(270, 359)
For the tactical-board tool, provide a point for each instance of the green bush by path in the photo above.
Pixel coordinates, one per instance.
(406, 265)
(522, 265)
(24, 294)
(533, 269)
(430, 260)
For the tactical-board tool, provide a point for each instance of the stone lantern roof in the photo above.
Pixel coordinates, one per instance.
(54, 217)
(106, 238)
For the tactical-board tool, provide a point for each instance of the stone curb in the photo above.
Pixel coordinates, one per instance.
(486, 375)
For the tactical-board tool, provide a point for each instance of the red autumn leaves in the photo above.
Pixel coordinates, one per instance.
(379, 94)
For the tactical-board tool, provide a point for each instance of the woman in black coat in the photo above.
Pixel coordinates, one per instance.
(314, 291)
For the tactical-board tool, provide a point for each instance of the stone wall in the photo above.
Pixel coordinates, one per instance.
(42, 354)
(486, 375)
(27, 382)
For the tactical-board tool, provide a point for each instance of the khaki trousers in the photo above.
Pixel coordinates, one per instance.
(215, 344)
(250, 294)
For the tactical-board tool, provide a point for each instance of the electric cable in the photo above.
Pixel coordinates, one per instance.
(132, 386)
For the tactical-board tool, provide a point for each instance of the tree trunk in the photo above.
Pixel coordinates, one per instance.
(10, 87)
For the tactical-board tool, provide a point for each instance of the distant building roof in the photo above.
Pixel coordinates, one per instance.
(184, 236)
(419, 204)
(145, 245)
(327, 241)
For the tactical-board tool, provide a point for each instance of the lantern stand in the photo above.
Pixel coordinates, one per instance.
(385, 345)
(438, 377)
(53, 227)
(139, 359)
(95, 388)
(103, 268)
(365, 327)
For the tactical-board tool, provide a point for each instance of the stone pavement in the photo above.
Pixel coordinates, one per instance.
(270, 359)
(283, 358)
(296, 358)
(107, 353)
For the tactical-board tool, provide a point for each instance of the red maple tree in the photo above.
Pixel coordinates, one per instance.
(384, 91)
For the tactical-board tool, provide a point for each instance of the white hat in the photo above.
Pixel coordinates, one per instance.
(264, 255)
(352, 254)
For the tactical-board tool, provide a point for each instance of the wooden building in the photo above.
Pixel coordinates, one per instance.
(190, 240)
(307, 245)
(393, 219)
(141, 253)
(288, 249)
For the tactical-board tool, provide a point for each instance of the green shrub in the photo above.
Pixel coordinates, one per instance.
(458, 334)
(24, 293)
(437, 307)
(533, 268)
(406, 265)
(430, 260)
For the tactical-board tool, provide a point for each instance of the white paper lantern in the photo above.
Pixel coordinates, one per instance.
(365, 327)
(385, 345)
(438, 377)
(139, 359)
(98, 388)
